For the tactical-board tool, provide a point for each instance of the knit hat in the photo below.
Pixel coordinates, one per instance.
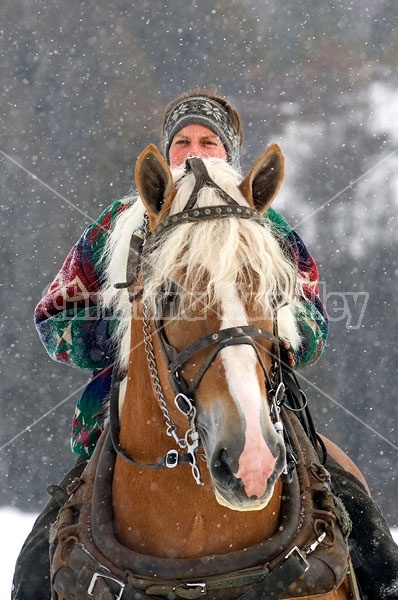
(209, 113)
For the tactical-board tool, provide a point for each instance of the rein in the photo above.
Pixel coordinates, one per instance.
(141, 243)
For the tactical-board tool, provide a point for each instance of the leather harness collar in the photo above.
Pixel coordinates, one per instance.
(90, 562)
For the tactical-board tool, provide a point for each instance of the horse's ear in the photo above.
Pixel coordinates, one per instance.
(153, 179)
(262, 183)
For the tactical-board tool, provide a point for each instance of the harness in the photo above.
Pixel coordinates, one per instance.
(90, 562)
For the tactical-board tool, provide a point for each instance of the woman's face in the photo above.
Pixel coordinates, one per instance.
(195, 140)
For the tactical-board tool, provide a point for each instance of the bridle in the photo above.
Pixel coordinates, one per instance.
(141, 244)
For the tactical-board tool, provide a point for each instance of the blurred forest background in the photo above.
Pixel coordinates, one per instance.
(83, 87)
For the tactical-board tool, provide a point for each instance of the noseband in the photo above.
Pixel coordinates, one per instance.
(215, 342)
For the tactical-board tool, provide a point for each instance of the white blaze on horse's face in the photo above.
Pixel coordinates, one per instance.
(257, 464)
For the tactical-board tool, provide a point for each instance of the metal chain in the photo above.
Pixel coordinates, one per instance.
(191, 440)
(171, 428)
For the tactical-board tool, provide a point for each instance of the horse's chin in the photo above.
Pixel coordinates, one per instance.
(243, 504)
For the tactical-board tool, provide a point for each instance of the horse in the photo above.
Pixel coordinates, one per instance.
(204, 484)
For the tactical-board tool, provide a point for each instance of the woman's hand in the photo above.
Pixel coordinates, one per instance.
(287, 355)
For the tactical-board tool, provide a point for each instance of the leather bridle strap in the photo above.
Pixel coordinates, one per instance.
(199, 214)
(189, 214)
(221, 339)
(203, 179)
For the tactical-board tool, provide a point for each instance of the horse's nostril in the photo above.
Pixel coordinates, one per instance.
(221, 462)
(218, 461)
(223, 470)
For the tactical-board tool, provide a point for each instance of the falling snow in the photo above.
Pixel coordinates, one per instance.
(83, 92)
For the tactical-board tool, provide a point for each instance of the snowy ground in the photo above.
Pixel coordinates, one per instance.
(15, 526)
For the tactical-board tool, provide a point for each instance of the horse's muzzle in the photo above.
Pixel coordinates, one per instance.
(230, 490)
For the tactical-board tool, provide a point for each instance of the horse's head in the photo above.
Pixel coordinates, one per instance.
(214, 287)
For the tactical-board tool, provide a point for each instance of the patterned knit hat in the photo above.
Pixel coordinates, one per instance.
(204, 111)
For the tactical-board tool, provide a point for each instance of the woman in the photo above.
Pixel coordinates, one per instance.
(75, 330)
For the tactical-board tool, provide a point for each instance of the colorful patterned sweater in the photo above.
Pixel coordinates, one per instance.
(74, 331)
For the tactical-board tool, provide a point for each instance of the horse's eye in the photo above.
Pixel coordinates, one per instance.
(170, 299)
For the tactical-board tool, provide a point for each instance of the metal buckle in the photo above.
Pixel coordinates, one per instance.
(184, 405)
(171, 459)
(114, 579)
(301, 557)
(193, 590)
(201, 586)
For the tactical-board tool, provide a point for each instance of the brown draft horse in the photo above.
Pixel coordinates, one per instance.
(199, 485)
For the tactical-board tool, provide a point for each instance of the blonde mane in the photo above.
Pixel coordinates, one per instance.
(207, 258)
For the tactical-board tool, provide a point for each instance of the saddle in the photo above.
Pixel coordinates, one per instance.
(307, 556)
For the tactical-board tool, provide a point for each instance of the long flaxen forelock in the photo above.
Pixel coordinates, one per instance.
(212, 256)
(205, 260)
